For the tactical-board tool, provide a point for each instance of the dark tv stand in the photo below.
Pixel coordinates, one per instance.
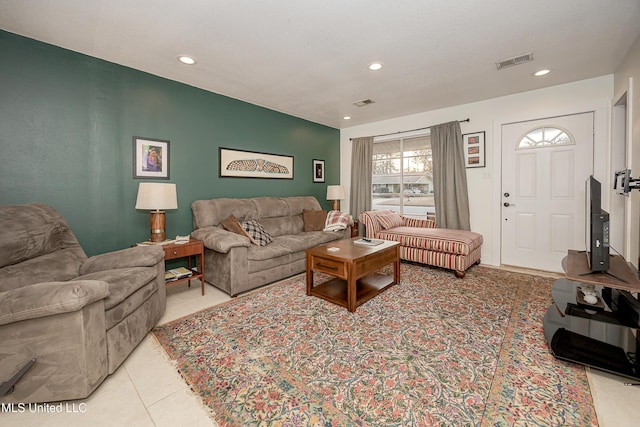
(599, 335)
(608, 272)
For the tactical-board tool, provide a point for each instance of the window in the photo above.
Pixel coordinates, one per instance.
(403, 176)
(545, 137)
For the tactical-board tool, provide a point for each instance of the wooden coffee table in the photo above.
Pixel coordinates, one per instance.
(354, 269)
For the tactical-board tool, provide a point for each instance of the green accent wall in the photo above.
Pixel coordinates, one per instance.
(67, 123)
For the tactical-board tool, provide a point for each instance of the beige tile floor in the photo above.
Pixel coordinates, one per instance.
(147, 391)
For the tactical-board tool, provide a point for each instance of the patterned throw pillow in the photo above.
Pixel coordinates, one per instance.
(336, 220)
(257, 232)
(390, 220)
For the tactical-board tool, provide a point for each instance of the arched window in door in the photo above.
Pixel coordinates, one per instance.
(545, 137)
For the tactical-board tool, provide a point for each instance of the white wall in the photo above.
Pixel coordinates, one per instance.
(627, 80)
(484, 183)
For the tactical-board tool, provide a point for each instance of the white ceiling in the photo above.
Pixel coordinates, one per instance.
(310, 58)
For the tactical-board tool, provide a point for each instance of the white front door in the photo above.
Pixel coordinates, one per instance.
(545, 164)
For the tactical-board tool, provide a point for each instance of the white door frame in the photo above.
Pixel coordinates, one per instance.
(601, 150)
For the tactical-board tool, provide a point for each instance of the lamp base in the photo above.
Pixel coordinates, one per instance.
(336, 205)
(157, 226)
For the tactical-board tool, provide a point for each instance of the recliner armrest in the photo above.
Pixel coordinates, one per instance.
(220, 240)
(49, 298)
(139, 256)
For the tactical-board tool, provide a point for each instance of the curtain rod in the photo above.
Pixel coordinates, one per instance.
(412, 130)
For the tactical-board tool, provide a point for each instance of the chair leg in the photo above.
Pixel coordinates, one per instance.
(459, 274)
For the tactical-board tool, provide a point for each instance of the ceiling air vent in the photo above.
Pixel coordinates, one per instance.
(516, 60)
(363, 103)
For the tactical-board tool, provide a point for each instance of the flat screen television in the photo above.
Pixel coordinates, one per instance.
(597, 227)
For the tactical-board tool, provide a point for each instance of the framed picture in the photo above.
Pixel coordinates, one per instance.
(318, 170)
(474, 150)
(150, 158)
(253, 164)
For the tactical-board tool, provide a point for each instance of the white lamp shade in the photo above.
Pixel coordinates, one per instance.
(155, 196)
(335, 192)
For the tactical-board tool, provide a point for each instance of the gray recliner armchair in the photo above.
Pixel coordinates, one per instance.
(78, 317)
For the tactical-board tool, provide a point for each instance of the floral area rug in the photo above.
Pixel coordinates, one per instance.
(431, 351)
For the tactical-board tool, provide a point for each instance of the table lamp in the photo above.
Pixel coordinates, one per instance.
(335, 193)
(154, 196)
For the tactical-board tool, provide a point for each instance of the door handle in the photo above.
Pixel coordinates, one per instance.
(507, 204)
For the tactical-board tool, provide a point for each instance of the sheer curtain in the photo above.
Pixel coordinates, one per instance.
(449, 177)
(361, 175)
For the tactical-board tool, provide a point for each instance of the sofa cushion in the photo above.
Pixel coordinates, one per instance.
(282, 225)
(461, 242)
(303, 241)
(336, 220)
(257, 231)
(137, 256)
(212, 212)
(31, 232)
(389, 220)
(261, 253)
(314, 220)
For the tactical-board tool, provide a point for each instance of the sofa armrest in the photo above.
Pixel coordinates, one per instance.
(139, 256)
(220, 240)
(419, 222)
(371, 225)
(49, 298)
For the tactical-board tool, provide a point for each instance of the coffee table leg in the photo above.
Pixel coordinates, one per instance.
(309, 275)
(352, 291)
(396, 266)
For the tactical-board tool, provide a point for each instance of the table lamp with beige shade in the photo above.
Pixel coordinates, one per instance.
(335, 193)
(154, 197)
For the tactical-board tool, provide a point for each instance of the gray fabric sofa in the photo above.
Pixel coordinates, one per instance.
(78, 317)
(234, 264)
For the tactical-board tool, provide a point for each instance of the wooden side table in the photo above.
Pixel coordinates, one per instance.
(354, 228)
(193, 247)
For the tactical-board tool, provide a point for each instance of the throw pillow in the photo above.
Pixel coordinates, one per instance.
(232, 224)
(313, 220)
(336, 220)
(390, 220)
(257, 231)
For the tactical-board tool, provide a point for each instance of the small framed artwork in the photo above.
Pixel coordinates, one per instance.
(474, 150)
(150, 158)
(318, 170)
(254, 164)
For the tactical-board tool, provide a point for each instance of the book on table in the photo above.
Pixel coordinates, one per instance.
(148, 243)
(177, 273)
(368, 242)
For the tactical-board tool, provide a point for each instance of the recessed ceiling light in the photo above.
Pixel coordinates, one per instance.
(541, 73)
(186, 60)
(347, 117)
(375, 66)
